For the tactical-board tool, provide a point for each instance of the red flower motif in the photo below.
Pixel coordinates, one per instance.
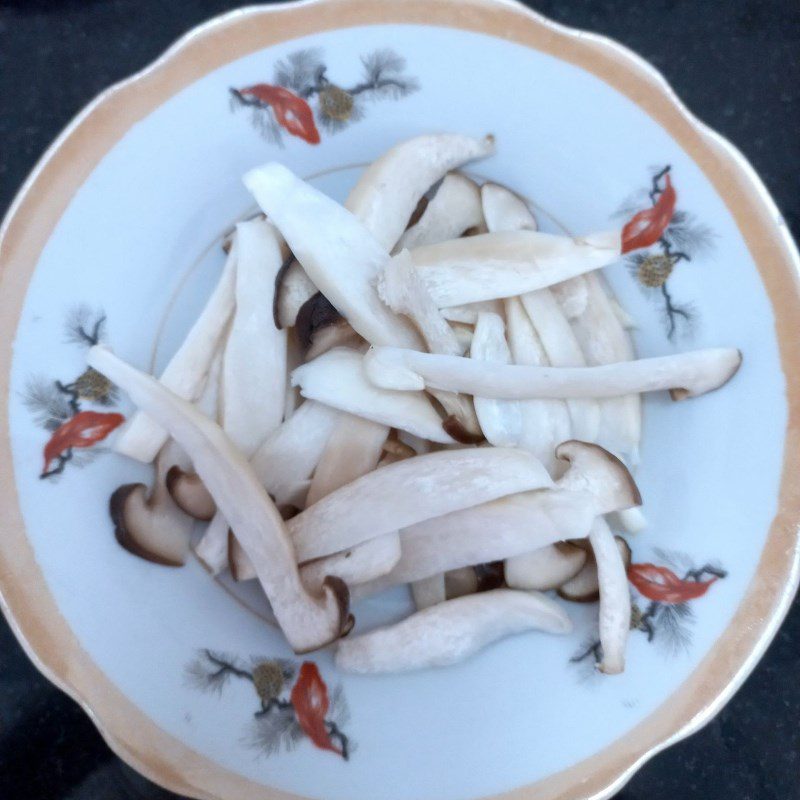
(664, 586)
(292, 112)
(83, 430)
(646, 227)
(310, 700)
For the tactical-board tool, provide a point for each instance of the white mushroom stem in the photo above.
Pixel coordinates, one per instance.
(428, 592)
(337, 379)
(357, 565)
(400, 288)
(353, 450)
(603, 340)
(500, 420)
(209, 400)
(545, 422)
(615, 598)
(505, 264)
(287, 457)
(254, 363)
(390, 188)
(684, 375)
(455, 208)
(409, 491)
(562, 350)
(504, 210)
(546, 568)
(450, 632)
(337, 252)
(186, 372)
(307, 622)
(595, 483)
(541, 338)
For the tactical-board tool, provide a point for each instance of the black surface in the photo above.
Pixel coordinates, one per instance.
(736, 63)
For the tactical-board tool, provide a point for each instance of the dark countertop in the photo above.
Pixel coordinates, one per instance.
(735, 63)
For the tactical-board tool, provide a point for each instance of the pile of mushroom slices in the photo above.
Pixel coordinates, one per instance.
(417, 387)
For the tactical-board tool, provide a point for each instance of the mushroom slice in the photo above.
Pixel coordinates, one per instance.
(390, 188)
(153, 527)
(595, 483)
(615, 597)
(185, 375)
(500, 420)
(546, 568)
(253, 395)
(410, 491)
(508, 263)
(308, 622)
(255, 351)
(585, 586)
(337, 252)
(400, 288)
(563, 350)
(293, 288)
(504, 210)
(286, 459)
(468, 313)
(545, 422)
(572, 296)
(459, 582)
(631, 519)
(455, 208)
(684, 375)
(337, 379)
(604, 341)
(189, 493)
(353, 449)
(450, 632)
(356, 565)
(428, 592)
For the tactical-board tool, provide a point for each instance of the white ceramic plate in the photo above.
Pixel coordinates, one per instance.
(120, 222)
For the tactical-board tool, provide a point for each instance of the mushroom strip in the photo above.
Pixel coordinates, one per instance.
(455, 208)
(307, 622)
(604, 341)
(506, 211)
(684, 375)
(359, 564)
(501, 420)
(410, 491)
(185, 375)
(390, 188)
(496, 265)
(255, 353)
(339, 254)
(287, 457)
(595, 483)
(337, 379)
(353, 450)
(615, 597)
(545, 422)
(401, 289)
(451, 631)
